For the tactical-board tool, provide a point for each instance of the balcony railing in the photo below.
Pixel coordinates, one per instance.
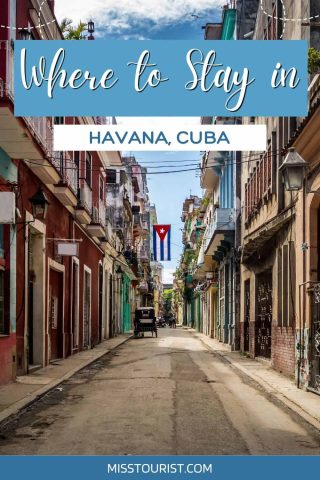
(114, 216)
(143, 286)
(143, 255)
(137, 219)
(67, 169)
(210, 165)
(99, 213)
(85, 199)
(222, 221)
(6, 75)
(314, 91)
(42, 131)
(104, 120)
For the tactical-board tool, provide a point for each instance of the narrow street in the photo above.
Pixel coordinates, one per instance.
(168, 395)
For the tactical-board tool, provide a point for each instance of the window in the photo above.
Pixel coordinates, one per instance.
(4, 282)
(76, 159)
(88, 176)
(101, 188)
(58, 120)
(3, 326)
(111, 176)
(285, 289)
(259, 184)
(1, 242)
(274, 30)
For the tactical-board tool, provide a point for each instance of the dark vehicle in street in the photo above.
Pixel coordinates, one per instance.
(145, 321)
(161, 323)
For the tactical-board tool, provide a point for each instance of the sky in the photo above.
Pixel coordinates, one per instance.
(154, 20)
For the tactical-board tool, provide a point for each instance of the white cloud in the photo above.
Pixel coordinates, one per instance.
(154, 121)
(121, 15)
(167, 275)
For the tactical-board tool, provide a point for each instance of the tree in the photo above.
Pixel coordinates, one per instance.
(313, 61)
(167, 301)
(73, 33)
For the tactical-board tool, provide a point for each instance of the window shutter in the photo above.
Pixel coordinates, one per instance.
(292, 284)
(279, 287)
(285, 286)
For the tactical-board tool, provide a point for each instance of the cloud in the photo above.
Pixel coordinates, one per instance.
(167, 275)
(117, 16)
(134, 36)
(155, 121)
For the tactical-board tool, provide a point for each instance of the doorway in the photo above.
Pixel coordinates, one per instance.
(86, 308)
(246, 324)
(263, 323)
(75, 306)
(100, 300)
(111, 329)
(35, 300)
(56, 314)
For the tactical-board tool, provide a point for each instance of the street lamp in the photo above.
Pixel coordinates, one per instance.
(39, 204)
(90, 28)
(293, 170)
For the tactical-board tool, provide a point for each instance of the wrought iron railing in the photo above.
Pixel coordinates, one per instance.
(85, 194)
(67, 168)
(7, 78)
(315, 339)
(222, 220)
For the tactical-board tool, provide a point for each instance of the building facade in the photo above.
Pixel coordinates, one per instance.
(269, 241)
(74, 254)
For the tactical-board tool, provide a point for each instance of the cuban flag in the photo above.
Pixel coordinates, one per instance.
(161, 242)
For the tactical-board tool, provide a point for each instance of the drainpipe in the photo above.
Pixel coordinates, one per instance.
(302, 315)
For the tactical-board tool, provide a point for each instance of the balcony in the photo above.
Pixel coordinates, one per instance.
(114, 216)
(220, 229)
(66, 189)
(84, 208)
(314, 91)
(98, 224)
(26, 137)
(6, 72)
(85, 196)
(137, 224)
(144, 256)
(143, 287)
(211, 168)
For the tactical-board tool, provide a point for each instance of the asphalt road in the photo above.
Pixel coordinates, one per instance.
(168, 395)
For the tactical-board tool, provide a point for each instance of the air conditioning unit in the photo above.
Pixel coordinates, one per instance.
(7, 207)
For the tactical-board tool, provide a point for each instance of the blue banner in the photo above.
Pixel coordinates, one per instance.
(161, 78)
(138, 467)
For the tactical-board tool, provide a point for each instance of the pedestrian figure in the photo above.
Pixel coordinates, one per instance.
(174, 323)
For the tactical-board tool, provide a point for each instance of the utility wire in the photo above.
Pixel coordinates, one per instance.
(213, 164)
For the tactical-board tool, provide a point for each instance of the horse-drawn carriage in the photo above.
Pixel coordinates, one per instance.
(145, 321)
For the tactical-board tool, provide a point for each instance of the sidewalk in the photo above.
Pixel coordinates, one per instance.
(25, 390)
(278, 386)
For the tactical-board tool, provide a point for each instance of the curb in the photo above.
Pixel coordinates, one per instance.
(267, 387)
(15, 408)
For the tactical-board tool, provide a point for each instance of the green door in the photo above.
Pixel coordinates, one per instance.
(126, 304)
